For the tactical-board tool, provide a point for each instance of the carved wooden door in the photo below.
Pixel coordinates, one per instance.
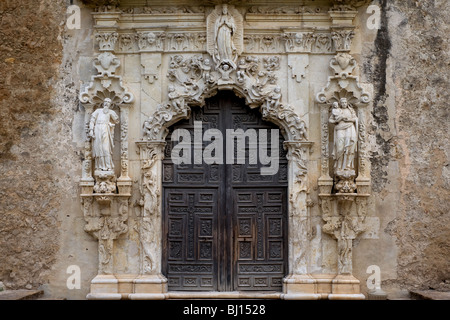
(224, 225)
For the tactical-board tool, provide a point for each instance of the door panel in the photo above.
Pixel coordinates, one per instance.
(225, 225)
(259, 235)
(191, 228)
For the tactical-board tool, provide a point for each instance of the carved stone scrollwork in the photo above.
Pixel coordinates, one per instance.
(344, 218)
(106, 222)
(342, 39)
(192, 79)
(106, 40)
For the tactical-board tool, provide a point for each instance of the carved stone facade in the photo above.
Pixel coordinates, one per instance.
(155, 63)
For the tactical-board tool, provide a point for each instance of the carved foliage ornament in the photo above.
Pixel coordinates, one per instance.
(106, 84)
(192, 79)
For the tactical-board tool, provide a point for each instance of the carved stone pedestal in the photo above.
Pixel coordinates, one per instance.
(149, 287)
(345, 287)
(104, 287)
(300, 287)
(322, 286)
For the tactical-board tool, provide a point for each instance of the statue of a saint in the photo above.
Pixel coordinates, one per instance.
(101, 130)
(344, 118)
(224, 30)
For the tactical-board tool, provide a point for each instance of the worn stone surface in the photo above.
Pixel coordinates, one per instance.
(409, 68)
(21, 294)
(31, 174)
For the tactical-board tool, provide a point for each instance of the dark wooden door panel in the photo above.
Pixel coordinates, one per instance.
(191, 228)
(225, 225)
(260, 229)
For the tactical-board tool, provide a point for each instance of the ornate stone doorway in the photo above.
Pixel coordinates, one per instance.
(225, 225)
(276, 63)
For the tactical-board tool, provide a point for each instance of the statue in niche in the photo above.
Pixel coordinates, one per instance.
(224, 30)
(101, 131)
(343, 116)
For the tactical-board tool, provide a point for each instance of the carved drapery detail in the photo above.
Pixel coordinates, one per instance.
(225, 36)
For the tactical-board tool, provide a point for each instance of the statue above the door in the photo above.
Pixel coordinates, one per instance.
(194, 78)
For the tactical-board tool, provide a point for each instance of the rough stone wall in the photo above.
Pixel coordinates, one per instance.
(409, 69)
(36, 157)
(420, 52)
(30, 57)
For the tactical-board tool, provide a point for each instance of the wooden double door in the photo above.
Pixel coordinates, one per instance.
(224, 225)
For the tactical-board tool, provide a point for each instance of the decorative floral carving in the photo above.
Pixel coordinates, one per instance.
(106, 40)
(193, 78)
(344, 218)
(342, 39)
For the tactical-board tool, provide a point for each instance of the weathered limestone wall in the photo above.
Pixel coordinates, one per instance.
(409, 67)
(33, 130)
(41, 222)
(41, 229)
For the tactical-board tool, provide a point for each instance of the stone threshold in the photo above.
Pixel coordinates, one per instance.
(295, 287)
(223, 295)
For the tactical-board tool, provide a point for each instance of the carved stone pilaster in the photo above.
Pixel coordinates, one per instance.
(343, 151)
(299, 217)
(105, 197)
(150, 284)
(151, 155)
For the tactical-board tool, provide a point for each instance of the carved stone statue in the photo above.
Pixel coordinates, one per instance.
(225, 28)
(101, 130)
(343, 116)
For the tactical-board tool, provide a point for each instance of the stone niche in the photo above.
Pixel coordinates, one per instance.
(294, 61)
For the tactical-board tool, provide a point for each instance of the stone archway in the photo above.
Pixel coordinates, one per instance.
(224, 223)
(268, 99)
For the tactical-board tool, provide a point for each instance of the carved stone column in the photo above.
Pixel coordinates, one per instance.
(299, 284)
(343, 199)
(150, 284)
(105, 199)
